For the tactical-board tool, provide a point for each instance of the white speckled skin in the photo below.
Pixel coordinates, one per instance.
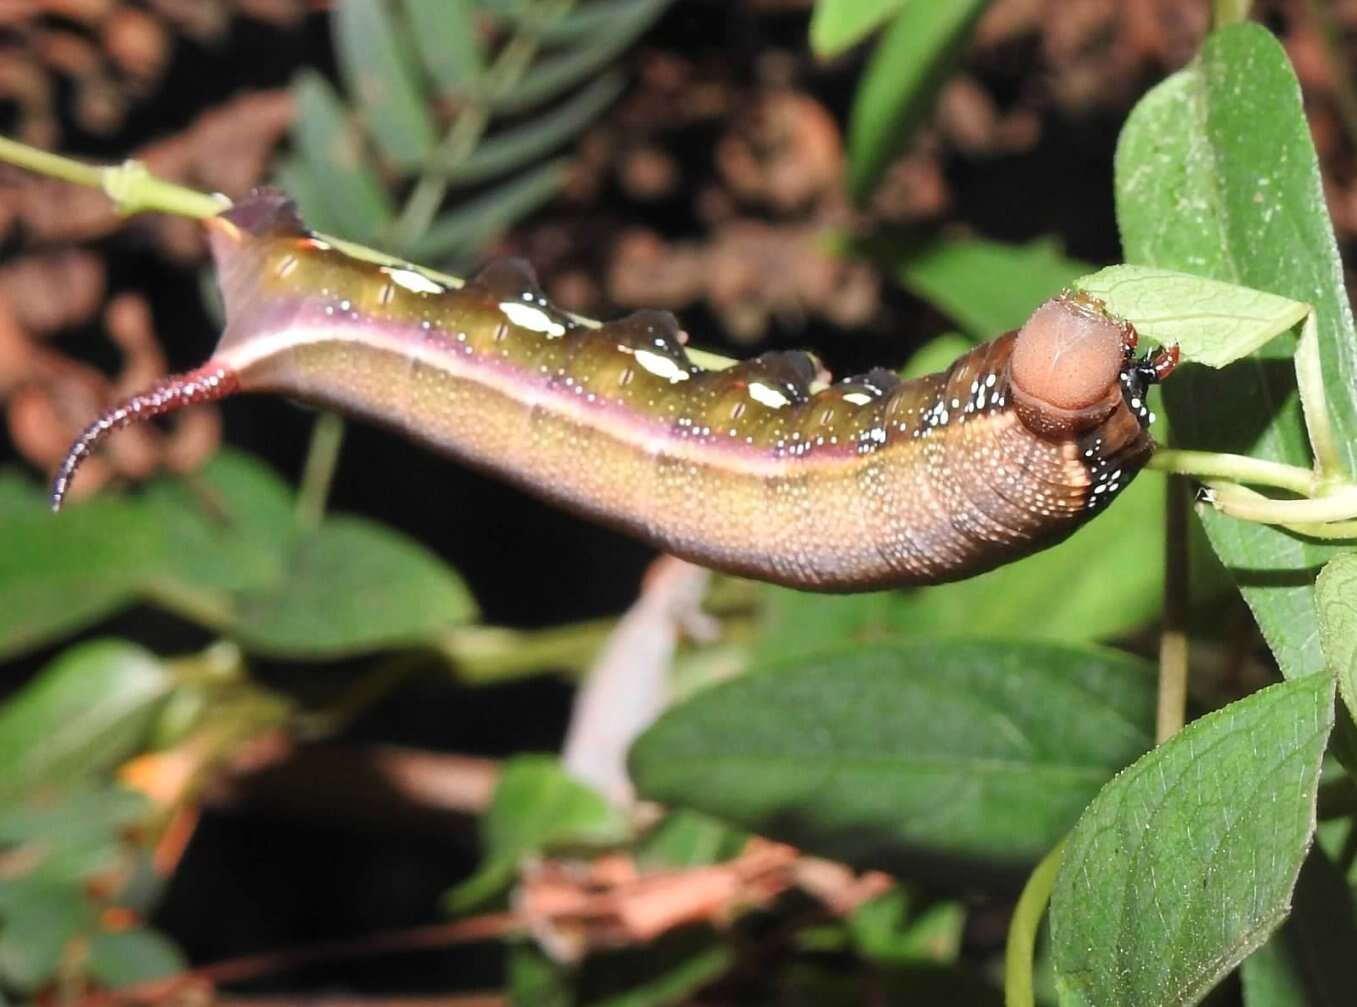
(866, 483)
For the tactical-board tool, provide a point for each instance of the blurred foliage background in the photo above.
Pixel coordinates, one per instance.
(271, 688)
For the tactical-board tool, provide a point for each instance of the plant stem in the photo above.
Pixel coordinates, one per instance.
(1228, 12)
(466, 132)
(484, 654)
(322, 458)
(1022, 929)
(1236, 468)
(1173, 657)
(1241, 502)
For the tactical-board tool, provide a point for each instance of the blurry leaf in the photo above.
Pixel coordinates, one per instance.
(60, 573)
(908, 67)
(936, 355)
(448, 40)
(19, 495)
(835, 25)
(1212, 323)
(1216, 176)
(375, 63)
(555, 74)
(512, 149)
(1336, 600)
(226, 530)
(1309, 961)
(353, 587)
(84, 811)
(535, 980)
(36, 922)
(131, 957)
(578, 23)
(986, 287)
(1185, 862)
(689, 839)
(1108, 577)
(475, 223)
(346, 197)
(665, 972)
(85, 712)
(885, 931)
(888, 756)
(536, 807)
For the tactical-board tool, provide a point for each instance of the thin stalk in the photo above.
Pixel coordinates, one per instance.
(1022, 929)
(472, 121)
(322, 458)
(485, 654)
(1228, 12)
(1243, 503)
(1173, 656)
(1236, 468)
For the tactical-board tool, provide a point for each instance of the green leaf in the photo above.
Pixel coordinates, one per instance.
(556, 74)
(907, 69)
(1109, 577)
(836, 25)
(85, 712)
(1185, 862)
(37, 920)
(986, 287)
(936, 355)
(1309, 961)
(473, 225)
(512, 149)
(1216, 177)
(1212, 323)
(1264, 217)
(448, 40)
(1336, 600)
(689, 839)
(885, 756)
(375, 62)
(131, 957)
(84, 811)
(885, 931)
(334, 183)
(60, 573)
(536, 807)
(353, 587)
(227, 530)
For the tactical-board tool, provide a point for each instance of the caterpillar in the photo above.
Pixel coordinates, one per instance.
(762, 469)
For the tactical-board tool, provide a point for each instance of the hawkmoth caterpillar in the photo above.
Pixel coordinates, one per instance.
(762, 469)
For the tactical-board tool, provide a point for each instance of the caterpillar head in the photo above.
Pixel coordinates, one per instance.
(1074, 371)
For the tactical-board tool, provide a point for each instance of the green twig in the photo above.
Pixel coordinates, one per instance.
(322, 458)
(1173, 658)
(484, 654)
(1236, 468)
(472, 121)
(1022, 929)
(1227, 12)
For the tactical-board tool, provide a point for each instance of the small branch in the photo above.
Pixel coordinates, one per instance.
(1173, 659)
(236, 970)
(1245, 504)
(429, 191)
(1236, 468)
(492, 653)
(1022, 929)
(322, 458)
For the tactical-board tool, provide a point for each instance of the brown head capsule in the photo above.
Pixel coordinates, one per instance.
(1066, 363)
